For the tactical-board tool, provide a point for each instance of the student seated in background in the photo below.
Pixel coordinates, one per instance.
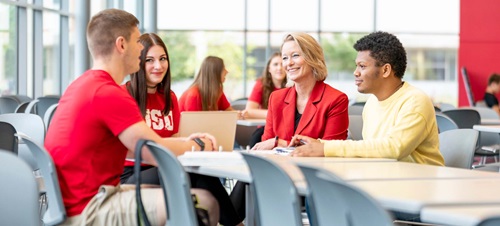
(207, 92)
(273, 78)
(491, 90)
(95, 125)
(150, 87)
(399, 121)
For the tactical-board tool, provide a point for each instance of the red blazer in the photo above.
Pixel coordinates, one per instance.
(325, 115)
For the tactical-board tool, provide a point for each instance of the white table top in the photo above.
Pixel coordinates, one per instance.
(410, 196)
(487, 128)
(459, 215)
(352, 171)
(251, 122)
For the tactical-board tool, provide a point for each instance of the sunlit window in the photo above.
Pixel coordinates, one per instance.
(8, 54)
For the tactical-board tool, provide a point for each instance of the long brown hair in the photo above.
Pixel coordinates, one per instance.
(137, 86)
(267, 81)
(209, 82)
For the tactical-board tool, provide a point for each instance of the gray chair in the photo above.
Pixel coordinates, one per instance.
(446, 106)
(8, 105)
(55, 213)
(20, 98)
(276, 198)
(244, 135)
(332, 201)
(458, 146)
(21, 108)
(41, 104)
(31, 125)
(239, 104)
(8, 139)
(445, 123)
(355, 127)
(465, 118)
(485, 112)
(18, 192)
(176, 186)
(493, 221)
(355, 109)
(49, 114)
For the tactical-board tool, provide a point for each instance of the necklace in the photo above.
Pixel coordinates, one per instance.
(399, 87)
(151, 87)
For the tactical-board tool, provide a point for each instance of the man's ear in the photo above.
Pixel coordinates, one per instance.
(386, 70)
(120, 44)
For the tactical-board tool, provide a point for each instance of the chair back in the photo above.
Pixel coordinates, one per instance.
(176, 186)
(8, 105)
(239, 104)
(49, 114)
(244, 135)
(31, 125)
(8, 139)
(332, 201)
(446, 106)
(21, 108)
(20, 98)
(356, 127)
(485, 112)
(41, 104)
(18, 192)
(355, 109)
(458, 146)
(464, 118)
(445, 123)
(55, 213)
(491, 221)
(277, 201)
(481, 103)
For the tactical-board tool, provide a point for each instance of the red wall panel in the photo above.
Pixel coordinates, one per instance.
(479, 49)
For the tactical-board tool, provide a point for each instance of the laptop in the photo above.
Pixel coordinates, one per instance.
(221, 124)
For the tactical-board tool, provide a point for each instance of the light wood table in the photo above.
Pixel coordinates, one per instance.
(459, 215)
(410, 196)
(361, 171)
(487, 128)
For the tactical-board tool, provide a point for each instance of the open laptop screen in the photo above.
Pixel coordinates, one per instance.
(221, 124)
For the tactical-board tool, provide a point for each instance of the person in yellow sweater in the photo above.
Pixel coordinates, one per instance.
(398, 119)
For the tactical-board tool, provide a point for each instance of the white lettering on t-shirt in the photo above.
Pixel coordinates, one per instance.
(157, 121)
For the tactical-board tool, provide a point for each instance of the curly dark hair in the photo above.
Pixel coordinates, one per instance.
(385, 48)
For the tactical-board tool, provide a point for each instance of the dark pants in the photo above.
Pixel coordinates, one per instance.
(228, 214)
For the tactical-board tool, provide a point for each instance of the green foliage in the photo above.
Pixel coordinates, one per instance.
(181, 53)
(229, 51)
(339, 53)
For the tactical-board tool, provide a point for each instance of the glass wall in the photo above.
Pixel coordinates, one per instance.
(245, 33)
(35, 49)
(37, 54)
(8, 53)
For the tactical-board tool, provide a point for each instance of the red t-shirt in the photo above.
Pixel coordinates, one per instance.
(83, 137)
(191, 101)
(164, 126)
(257, 92)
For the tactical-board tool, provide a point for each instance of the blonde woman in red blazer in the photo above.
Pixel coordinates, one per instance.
(310, 107)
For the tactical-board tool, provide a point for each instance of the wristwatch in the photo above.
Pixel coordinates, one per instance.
(200, 143)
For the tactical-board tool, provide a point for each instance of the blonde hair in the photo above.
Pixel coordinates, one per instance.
(311, 51)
